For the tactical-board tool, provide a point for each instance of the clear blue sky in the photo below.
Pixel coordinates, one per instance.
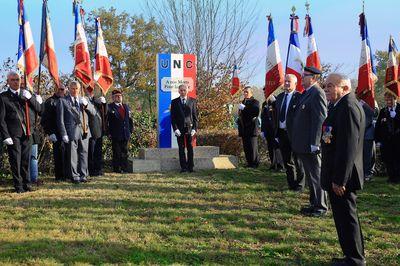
(335, 24)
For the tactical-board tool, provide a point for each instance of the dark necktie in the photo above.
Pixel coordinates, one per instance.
(282, 114)
(121, 111)
(183, 102)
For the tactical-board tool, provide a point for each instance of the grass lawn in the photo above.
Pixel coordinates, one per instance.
(233, 217)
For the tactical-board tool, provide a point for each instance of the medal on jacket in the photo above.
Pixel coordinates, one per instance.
(327, 134)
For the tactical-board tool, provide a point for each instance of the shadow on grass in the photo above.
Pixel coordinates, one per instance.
(95, 252)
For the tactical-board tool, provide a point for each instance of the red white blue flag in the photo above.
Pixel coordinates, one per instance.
(366, 71)
(312, 51)
(82, 69)
(102, 69)
(235, 81)
(391, 79)
(47, 52)
(27, 61)
(294, 64)
(274, 77)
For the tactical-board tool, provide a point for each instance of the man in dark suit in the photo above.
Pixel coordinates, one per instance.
(342, 165)
(49, 124)
(310, 113)
(119, 130)
(97, 130)
(249, 110)
(15, 129)
(184, 123)
(285, 105)
(72, 123)
(268, 129)
(387, 134)
(369, 144)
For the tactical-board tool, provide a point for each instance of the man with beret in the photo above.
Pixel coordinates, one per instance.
(342, 165)
(119, 130)
(310, 113)
(184, 124)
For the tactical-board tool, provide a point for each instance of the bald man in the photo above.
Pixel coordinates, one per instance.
(342, 165)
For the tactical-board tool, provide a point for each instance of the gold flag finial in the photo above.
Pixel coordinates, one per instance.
(293, 10)
(307, 7)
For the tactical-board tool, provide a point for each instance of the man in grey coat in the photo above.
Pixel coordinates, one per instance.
(310, 113)
(73, 125)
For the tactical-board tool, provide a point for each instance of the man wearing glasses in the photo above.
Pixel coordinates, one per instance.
(309, 115)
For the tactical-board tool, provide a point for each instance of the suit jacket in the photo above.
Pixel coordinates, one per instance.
(387, 129)
(96, 120)
(268, 118)
(183, 117)
(310, 113)
(290, 112)
(342, 145)
(369, 119)
(70, 119)
(12, 114)
(119, 128)
(49, 116)
(248, 118)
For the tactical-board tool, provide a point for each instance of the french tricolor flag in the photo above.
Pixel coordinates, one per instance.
(47, 51)
(274, 76)
(27, 61)
(391, 79)
(294, 64)
(172, 70)
(235, 81)
(102, 69)
(366, 71)
(82, 69)
(312, 51)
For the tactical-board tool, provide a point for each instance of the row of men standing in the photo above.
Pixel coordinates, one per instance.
(74, 124)
(304, 126)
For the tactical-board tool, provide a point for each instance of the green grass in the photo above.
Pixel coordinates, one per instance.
(235, 217)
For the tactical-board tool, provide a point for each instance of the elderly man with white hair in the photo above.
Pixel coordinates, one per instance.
(15, 129)
(342, 165)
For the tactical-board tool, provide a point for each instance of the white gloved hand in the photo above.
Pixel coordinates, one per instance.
(83, 101)
(26, 94)
(53, 137)
(192, 132)
(177, 133)
(392, 114)
(262, 135)
(39, 99)
(314, 148)
(102, 99)
(8, 141)
(65, 139)
(241, 106)
(378, 144)
(277, 140)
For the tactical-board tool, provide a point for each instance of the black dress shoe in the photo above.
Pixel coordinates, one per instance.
(75, 181)
(339, 262)
(19, 190)
(298, 189)
(28, 189)
(318, 213)
(84, 180)
(307, 210)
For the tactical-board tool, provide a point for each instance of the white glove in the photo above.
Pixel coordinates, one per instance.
(83, 101)
(314, 148)
(392, 114)
(378, 144)
(8, 141)
(177, 133)
(53, 137)
(192, 132)
(277, 140)
(241, 106)
(65, 139)
(102, 99)
(39, 99)
(262, 135)
(26, 94)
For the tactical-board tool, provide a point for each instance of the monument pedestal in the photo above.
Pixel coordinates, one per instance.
(167, 159)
